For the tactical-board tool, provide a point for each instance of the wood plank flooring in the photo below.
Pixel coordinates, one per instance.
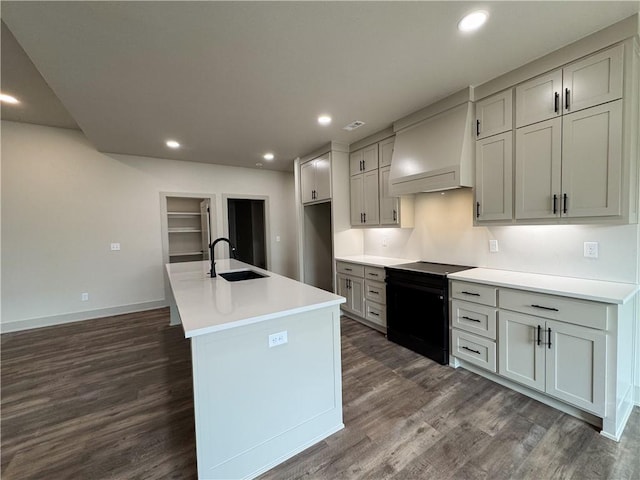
(111, 399)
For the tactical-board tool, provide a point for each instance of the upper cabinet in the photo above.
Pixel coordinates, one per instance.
(573, 148)
(494, 114)
(371, 204)
(315, 179)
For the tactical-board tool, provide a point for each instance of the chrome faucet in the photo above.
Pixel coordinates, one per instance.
(212, 246)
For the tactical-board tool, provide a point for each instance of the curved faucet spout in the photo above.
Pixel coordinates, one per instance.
(212, 246)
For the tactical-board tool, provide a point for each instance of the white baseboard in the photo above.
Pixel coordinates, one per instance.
(31, 323)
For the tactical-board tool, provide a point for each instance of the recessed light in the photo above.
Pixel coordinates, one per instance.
(268, 156)
(324, 119)
(8, 98)
(473, 21)
(173, 144)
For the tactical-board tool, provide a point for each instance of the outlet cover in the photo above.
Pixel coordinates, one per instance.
(276, 339)
(115, 247)
(493, 246)
(84, 297)
(591, 249)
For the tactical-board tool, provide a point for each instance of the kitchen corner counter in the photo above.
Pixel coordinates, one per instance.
(374, 261)
(208, 304)
(594, 290)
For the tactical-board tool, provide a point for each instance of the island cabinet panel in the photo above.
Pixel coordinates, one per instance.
(256, 405)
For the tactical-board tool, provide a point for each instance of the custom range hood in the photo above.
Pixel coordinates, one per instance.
(434, 147)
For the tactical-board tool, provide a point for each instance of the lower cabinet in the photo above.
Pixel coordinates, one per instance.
(571, 353)
(565, 361)
(364, 288)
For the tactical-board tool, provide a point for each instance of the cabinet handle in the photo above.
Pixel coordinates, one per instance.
(549, 338)
(364, 215)
(556, 103)
(361, 217)
(565, 203)
(395, 216)
(477, 209)
(472, 319)
(477, 128)
(545, 308)
(555, 203)
(374, 313)
(566, 99)
(348, 283)
(373, 274)
(374, 292)
(348, 269)
(539, 328)
(472, 350)
(470, 293)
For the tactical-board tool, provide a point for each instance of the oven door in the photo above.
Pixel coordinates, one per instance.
(417, 315)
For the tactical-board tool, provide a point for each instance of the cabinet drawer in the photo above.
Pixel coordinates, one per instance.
(477, 350)
(375, 291)
(474, 292)
(376, 313)
(570, 310)
(350, 269)
(374, 273)
(474, 318)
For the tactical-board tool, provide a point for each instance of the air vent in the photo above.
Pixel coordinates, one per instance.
(353, 125)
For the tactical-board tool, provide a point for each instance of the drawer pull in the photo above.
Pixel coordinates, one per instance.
(375, 292)
(470, 293)
(373, 274)
(374, 313)
(348, 269)
(472, 350)
(472, 319)
(545, 308)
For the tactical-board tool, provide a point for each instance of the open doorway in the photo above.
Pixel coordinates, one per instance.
(247, 229)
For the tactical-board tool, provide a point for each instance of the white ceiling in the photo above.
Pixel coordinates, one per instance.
(233, 80)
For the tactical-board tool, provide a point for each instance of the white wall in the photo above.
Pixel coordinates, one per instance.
(444, 233)
(63, 203)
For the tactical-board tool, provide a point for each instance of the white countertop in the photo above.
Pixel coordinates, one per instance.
(374, 261)
(210, 304)
(595, 290)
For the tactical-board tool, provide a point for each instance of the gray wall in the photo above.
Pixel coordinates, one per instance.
(63, 203)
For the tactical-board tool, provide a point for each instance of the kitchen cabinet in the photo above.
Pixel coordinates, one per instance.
(494, 178)
(563, 341)
(494, 114)
(364, 199)
(315, 179)
(364, 288)
(371, 204)
(591, 81)
(563, 360)
(363, 160)
(571, 166)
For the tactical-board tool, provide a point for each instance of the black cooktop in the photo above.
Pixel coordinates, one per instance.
(429, 268)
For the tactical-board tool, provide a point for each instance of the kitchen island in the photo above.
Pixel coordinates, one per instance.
(266, 365)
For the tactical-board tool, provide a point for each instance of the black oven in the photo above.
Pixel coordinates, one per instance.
(418, 307)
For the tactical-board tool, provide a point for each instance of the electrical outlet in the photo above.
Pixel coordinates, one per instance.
(493, 246)
(84, 297)
(385, 241)
(115, 247)
(276, 339)
(277, 238)
(591, 249)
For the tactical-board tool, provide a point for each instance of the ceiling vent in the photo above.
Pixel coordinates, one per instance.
(353, 125)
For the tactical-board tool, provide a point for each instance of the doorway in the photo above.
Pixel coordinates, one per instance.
(247, 230)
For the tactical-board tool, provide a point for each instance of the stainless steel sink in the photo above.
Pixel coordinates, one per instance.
(241, 275)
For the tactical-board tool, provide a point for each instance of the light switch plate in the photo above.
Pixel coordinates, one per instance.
(493, 246)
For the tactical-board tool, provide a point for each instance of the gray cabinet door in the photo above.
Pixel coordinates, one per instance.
(576, 365)
(389, 206)
(323, 177)
(538, 170)
(539, 99)
(592, 161)
(385, 151)
(307, 182)
(494, 114)
(357, 195)
(371, 198)
(494, 178)
(520, 358)
(594, 80)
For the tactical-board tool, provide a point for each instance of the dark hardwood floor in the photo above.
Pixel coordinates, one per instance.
(111, 399)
